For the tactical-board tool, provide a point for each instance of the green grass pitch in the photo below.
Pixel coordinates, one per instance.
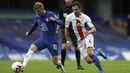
(119, 66)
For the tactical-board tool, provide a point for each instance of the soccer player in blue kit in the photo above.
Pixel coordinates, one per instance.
(48, 22)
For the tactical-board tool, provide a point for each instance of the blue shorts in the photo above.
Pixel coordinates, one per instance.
(51, 45)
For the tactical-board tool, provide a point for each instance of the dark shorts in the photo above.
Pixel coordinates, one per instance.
(51, 45)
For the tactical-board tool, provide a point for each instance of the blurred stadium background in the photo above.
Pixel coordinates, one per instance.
(111, 18)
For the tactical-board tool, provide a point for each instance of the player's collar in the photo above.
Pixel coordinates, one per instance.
(79, 15)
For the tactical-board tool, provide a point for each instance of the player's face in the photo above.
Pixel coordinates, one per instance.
(68, 2)
(40, 11)
(76, 9)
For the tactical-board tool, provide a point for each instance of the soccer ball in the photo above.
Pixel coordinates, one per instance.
(17, 67)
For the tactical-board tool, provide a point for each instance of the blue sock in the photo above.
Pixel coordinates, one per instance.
(96, 53)
(96, 62)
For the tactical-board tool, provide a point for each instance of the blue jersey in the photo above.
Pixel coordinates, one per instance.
(48, 37)
(48, 28)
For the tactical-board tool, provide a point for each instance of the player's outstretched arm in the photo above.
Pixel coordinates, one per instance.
(69, 45)
(67, 34)
(32, 29)
(67, 23)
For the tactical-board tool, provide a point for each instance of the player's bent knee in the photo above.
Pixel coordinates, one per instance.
(33, 48)
(89, 62)
(90, 54)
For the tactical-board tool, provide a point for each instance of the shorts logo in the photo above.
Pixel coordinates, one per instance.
(90, 41)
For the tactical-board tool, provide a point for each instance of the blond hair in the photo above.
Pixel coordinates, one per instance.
(38, 5)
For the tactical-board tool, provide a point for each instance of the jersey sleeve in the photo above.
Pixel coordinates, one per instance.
(34, 26)
(67, 21)
(57, 20)
(89, 22)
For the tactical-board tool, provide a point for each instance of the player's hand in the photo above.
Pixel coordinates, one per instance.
(86, 32)
(26, 34)
(69, 45)
(57, 31)
(52, 19)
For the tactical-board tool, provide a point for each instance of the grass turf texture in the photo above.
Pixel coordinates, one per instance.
(119, 66)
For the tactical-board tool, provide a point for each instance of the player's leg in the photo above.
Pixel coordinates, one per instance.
(53, 49)
(77, 55)
(63, 53)
(94, 59)
(77, 51)
(63, 50)
(86, 49)
(36, 46)
(58, 63)
(91, 58)
(101, 53)
(29, 54)
(89, 41)
(83, 51)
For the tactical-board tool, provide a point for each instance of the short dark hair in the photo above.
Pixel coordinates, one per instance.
(76, 3)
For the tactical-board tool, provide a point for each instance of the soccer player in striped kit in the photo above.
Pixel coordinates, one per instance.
(78, 21)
